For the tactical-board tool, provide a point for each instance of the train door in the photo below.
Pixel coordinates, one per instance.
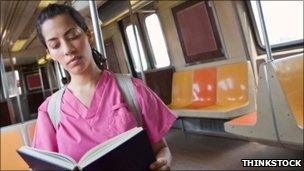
(146, 46)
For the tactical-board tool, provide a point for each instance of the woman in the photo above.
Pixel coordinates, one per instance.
(92, 107)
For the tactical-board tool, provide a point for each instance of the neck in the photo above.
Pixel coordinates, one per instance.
(85, 80)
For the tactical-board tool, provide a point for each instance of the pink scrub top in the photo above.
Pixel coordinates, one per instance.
(81, 128)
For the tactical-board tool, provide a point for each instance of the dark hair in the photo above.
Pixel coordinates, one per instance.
(64, 81)
(53, 10)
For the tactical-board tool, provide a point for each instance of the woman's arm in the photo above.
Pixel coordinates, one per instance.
(163, 156)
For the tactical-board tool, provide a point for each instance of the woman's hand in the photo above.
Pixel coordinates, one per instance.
(163, 156)
(160, 164)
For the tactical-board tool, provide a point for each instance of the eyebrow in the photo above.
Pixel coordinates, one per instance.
(69, 30)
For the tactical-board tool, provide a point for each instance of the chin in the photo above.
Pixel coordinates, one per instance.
(77, 70)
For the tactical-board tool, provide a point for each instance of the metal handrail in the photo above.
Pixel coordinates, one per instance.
(97, 31)
(264, 31)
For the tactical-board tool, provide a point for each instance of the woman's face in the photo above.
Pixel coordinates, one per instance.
(67, 43)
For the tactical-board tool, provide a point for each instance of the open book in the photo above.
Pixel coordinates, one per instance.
(130, 150)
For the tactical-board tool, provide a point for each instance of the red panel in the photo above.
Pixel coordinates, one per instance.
(204, 88)
(33, 81)
(196, 30)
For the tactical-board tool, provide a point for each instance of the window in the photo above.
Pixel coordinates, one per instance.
(150, 37)
(157, 41)
(197, 31)
(133, 49)
(13, 82)
(283, 21)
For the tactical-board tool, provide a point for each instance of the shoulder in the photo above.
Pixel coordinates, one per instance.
(138, 82)
(139, 85)
(143, 92)
(44, 109)
(44, 106)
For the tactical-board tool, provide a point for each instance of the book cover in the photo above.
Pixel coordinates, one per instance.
(130, 150)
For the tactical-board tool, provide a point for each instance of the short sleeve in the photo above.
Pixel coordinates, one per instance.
(157, 117)
(45, 133)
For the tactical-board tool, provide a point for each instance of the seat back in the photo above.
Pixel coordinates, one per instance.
(29, 128)
(181, 89)
(289, 72)
(232, 84)
(11, 140)
(203, 88)
(258, 125)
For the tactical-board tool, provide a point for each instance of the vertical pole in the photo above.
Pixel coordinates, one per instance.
(49, 76)
(133, 24)
(15, 86)
(97, 30)
(41, 82)
(264, 31)
(59, 74)
(3, 78)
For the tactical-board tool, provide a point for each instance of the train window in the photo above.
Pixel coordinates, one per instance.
(134, 52)
(157, 41)
(197, 31)
(283, 20)
(13, 82)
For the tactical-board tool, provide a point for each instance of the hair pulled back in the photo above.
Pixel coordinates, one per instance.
(53, 10)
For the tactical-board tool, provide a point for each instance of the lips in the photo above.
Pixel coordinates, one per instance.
(73, 60)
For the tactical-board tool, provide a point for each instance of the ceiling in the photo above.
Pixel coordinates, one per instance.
(19, 40)
(17, 28)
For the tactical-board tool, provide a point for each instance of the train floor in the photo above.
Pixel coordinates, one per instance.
(202, 152)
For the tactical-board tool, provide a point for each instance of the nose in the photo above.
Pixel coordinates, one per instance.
(68, 48)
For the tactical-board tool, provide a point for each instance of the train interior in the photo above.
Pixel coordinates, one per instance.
(236, 87)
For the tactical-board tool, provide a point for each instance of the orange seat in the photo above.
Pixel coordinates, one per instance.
(290, 74)
(232, 85)
(11, 140)
(226, 107)
(232, 97)
(257, 125)
(248, 119)
(181, 89)
(203, 88)
(280, 93)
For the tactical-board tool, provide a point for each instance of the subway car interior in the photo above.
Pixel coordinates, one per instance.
(232, 71)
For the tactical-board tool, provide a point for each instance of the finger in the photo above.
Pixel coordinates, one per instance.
(158, 164)
(165, 167)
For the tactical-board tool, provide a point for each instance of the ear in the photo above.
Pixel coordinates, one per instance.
(90, 37)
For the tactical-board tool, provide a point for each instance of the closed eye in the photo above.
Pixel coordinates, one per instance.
(72, 36)
(54, 45)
